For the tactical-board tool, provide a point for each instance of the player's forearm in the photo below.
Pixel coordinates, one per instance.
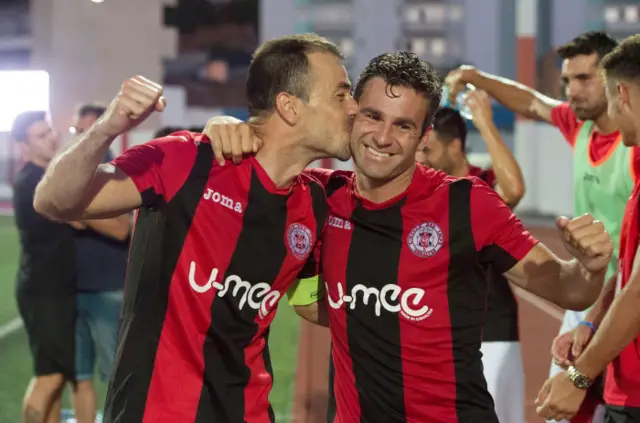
(508, 173)
(620, 326)
(511, 94)
(578, 288)
(61, 191)
(117, 228)
(599, 310)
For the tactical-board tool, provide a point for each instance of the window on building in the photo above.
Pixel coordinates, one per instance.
(331, 14)
(411, 14)
(611, 14)
(418, 46)
(427, 46)
(435, 13)
(432, 13)
(348, 47)
(631, 14)
(438, 47)
(456, 13)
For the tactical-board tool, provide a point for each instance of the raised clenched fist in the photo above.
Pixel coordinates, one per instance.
(586, 239)
(137, 99)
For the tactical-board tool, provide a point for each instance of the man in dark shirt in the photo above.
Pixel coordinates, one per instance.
(45, 288)
(102, 249)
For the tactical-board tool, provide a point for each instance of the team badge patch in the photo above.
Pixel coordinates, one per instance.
(425, 239)
(299, 239)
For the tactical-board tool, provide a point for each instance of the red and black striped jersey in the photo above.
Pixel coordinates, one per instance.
(501, 322)
(213, 251)
(406, 293)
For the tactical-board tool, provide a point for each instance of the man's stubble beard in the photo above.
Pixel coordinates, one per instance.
(591, 113)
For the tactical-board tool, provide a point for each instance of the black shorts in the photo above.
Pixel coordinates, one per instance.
(50, 324)
(615, 414)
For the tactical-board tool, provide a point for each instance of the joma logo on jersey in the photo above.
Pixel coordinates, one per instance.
(390, 298)
(223, 200)
(257, 296)
(336, 222)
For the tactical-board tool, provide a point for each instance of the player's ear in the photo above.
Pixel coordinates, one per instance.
(424, 138)
(288, 107)
(24, 149)
(455, 146)
(623, 93)
(426, 135)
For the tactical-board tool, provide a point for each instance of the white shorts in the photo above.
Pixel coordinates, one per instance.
(569, 322)
(504, 373)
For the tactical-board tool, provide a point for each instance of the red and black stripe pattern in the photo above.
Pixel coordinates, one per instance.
(406, 292)
(501, 322)
(214, 250)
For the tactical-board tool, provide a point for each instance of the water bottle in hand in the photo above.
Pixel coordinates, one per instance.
(464, 110)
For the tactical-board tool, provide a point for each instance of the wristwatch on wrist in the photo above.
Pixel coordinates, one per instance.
(579, 380)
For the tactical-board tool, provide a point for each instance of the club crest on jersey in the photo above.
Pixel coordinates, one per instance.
(425, 240)
(299, 239)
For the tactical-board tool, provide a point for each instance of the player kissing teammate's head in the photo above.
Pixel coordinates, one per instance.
(298, 84)
(398, 95)
(621, 71)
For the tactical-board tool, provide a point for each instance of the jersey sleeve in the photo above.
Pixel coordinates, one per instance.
(305, 291)
(159, 167)
(499, 236)
(312, 266)
(566, 121)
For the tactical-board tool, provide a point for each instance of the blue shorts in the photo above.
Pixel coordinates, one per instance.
(97, 332)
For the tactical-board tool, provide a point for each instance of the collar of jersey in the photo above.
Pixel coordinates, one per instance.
(370, 205)
(267, 182)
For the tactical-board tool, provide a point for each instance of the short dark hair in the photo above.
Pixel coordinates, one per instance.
(282, 65)
(598, 42)
(198, 129)
(91, 109)
(23, 122)
(405, 69)
(166, 130)
(450, 125)
(624, 61)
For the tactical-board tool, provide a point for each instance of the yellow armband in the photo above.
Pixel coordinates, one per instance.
(305, 291)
